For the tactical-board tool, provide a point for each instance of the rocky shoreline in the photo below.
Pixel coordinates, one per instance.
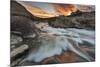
(21, 46)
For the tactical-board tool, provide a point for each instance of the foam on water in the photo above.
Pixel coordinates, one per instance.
(55, 40)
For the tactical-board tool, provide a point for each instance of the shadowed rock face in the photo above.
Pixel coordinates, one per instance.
(85, 20)
(22, 24)
(18, 10)
(21, 20)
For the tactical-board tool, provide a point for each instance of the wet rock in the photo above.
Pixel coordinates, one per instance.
(19, 50)
(14, 63)
(15, 39)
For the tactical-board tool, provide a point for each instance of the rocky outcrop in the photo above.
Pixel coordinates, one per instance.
(24, 34)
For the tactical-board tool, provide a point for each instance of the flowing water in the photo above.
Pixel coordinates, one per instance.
(53, 41)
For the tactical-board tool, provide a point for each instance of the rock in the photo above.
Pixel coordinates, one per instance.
(21, 20)
(84, 20)
(19, 50)
(23, 25)
(15, 39)
(14, 63)
(18, 10)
